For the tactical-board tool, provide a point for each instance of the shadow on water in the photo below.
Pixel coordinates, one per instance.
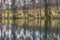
(28, 29)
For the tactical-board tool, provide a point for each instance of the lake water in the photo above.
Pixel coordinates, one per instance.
(29, 29)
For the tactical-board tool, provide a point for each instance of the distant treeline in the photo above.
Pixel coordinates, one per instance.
(26, 4)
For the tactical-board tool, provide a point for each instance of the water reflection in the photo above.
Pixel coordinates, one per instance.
(24, 34)
(30, 22)
(28, 29)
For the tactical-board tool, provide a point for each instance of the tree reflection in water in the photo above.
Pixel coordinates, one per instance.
(18, 34)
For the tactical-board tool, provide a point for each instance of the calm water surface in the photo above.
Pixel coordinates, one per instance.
(28, 29)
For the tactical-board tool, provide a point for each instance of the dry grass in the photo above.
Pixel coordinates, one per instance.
(29, 13)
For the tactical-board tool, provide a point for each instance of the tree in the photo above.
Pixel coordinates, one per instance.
(47, 19)
(14, 9)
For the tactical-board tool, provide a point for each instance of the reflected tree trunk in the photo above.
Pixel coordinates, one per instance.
(14, 35)
(14, 28)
